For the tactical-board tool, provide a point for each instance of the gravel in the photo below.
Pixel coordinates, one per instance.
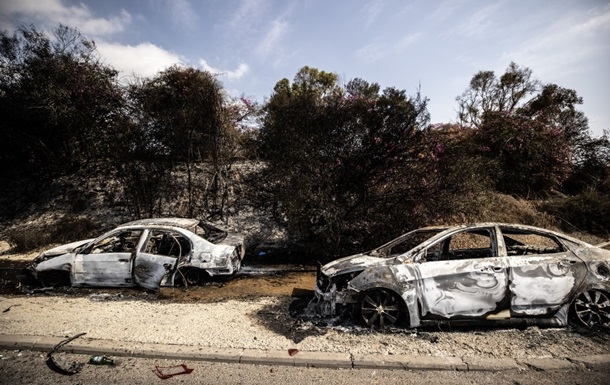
(265, 323)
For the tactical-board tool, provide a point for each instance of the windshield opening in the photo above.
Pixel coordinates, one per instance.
(405, 243)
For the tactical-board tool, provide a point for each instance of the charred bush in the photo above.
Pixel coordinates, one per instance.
(26, 239)
(70, 229)
(67, 229)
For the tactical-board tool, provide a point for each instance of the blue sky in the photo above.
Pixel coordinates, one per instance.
(439, 45)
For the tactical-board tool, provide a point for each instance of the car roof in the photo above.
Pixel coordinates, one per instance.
(184, 223)
(513, 226)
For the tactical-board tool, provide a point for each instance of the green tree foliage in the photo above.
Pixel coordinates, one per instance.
(57, 101)
(347, 164)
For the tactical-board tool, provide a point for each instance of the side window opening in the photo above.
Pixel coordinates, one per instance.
(469, 245)
(464, 245)
(435, 252)
(529, 243)
(167, 243)
(122, 242)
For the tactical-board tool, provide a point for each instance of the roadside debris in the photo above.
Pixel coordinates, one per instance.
(28, 290)
(59, 364)
(292, 352)
(165, 372)
(9, 308)
(101, 360)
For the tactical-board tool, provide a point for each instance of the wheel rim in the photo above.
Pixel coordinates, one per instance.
(592, 308)
(380, 309)
(192, 277)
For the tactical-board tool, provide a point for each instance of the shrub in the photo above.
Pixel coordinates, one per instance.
(523, 157)
(70, 229)
(65, 230)
(24, 239)
(588, 212)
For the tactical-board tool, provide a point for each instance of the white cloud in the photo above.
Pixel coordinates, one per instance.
(182, 13)
(445, 11)
(248, 15)
(481, 23)
(597, 23)
(407, 41)
(52, 12)
(144, 59)
(571, 44)
(372, 12)
(34, 6)
(372, 52)
(272, 38)
(241, 70)
(377, 51)
(100, 26)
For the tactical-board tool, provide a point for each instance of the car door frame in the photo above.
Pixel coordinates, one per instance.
(151, 270)
(444, 286)
(541, 284)
(112, 269)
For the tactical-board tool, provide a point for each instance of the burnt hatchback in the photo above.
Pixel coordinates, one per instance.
(487, 272)
(149, 253)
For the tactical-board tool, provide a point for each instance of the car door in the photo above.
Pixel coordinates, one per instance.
(462, 276)
(108, 261)
(543, 273)
(159, 257)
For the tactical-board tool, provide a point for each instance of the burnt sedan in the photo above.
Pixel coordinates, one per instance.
(494, 272)
(148, 253)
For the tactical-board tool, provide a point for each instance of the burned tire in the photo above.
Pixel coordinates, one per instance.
(193, 276)
(54, 278)
(592, 308)
(381, 308)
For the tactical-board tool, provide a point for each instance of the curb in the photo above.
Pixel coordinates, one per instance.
(600, 362)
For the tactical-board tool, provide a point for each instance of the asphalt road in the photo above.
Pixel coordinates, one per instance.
(28, 367)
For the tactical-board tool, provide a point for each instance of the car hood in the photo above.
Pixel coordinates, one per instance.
(59, 250)
(353, 263)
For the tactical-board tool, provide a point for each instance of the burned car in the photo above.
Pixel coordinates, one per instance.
(488, 272)
(149, 253)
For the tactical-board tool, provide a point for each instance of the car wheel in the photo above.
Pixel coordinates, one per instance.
(592, 308)
(54, 278)
(380, 308)
(193, 276)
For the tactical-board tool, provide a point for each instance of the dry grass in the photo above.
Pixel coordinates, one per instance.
(496, 207)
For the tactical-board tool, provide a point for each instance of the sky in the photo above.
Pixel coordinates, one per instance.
(436, 46)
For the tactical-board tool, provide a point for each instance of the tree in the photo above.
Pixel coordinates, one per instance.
(531, 134)
(58, 101)
(523, 156)
(487, 93)
(346, 164)
(184, 112)
(556, 106)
